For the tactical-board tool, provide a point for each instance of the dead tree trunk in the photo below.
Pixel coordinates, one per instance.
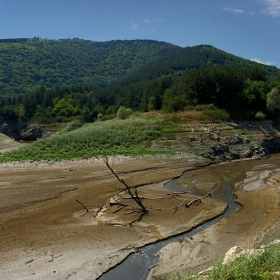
(132, 191)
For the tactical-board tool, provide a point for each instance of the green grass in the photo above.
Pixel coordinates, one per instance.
(2, 139)
(70, 127)
(246, 267)
(117, 137)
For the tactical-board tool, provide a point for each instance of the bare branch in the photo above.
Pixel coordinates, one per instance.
(131, 190)
(83, 207)
(187, 204)
(197, 199)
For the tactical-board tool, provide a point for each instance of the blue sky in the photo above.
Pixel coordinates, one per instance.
(246, 28)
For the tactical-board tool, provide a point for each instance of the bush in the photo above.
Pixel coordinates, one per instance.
(201, 107)
(124, 113)
(264, 265)
(260, 116)
(218, 114)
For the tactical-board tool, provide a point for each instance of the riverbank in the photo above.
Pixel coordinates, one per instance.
(256, 222)
(45, 233)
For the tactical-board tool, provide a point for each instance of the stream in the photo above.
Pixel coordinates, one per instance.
(221, 180)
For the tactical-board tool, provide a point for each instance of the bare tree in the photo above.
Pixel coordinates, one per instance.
(132, 191)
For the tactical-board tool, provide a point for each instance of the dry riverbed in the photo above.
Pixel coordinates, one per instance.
(46, 234)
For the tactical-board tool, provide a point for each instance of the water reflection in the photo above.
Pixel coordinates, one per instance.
(246, 175)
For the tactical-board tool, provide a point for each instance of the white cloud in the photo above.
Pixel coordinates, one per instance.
(146, 20)
(260, 61)
(272, 7)
(231, 9)
(135, 26)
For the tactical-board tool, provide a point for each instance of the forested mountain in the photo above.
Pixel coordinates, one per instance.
(47, 80)
(27, 64)
(195, 57)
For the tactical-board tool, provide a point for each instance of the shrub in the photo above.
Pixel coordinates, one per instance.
(201, 107)
(122, 114)
(260, 116)
(218, 114)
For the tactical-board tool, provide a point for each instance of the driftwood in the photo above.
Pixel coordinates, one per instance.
(152, 266)
(147, 198)
(187, 205)
(140, 211)
(181, 204)
(197, 199)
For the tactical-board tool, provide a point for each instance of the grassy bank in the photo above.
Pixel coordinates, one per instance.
(117, 137)
(264, 265)
(154, 133)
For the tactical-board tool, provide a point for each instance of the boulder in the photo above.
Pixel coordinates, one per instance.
(32, 133)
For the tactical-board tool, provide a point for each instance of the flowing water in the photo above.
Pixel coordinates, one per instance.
(221, 180)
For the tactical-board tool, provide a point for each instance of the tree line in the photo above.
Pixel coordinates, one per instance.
(242, 92)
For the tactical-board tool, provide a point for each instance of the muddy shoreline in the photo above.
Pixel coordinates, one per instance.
(51, 239)
(256, 222)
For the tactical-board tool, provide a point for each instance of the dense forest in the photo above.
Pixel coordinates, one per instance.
(27, 64)
(58, 80)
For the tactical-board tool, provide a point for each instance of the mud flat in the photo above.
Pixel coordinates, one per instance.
(257, 221)
(46, 234)
(7, 143)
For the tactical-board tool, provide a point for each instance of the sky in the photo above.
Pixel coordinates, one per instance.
(246, 28)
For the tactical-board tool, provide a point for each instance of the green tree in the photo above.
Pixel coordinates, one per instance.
(20, 111)
(65, 107)
(123, 113)
(111, 110)
(273, 101)
(86, 114)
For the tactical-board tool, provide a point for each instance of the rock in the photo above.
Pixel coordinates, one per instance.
(231, 254)
(12, 128)
(19, 130)
(32, 133)
(236, 139)
(271, 145)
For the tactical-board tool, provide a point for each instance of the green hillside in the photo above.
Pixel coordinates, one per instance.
(193, 58)
(62, 80)
(27, 64)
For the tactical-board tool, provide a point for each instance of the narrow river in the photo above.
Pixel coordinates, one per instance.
(221, 180)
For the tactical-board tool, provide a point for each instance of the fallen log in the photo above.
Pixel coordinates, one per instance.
(197, 199)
